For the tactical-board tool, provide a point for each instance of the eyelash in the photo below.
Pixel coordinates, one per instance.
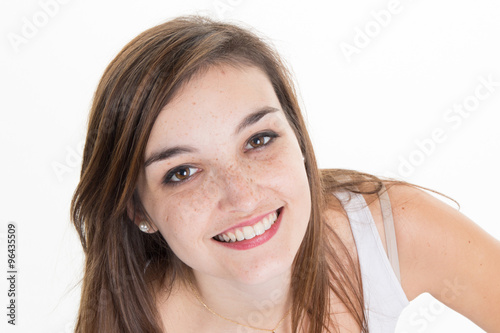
(168, 178)
(270, 135)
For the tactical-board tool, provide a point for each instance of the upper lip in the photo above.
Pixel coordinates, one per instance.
(248, 222)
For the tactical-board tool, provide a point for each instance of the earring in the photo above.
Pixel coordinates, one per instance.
(143, 226)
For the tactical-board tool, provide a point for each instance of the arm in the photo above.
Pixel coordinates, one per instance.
(444, 253)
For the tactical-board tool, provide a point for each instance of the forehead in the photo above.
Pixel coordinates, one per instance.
(212, 102)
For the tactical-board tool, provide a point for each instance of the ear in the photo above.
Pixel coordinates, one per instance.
(136, 214)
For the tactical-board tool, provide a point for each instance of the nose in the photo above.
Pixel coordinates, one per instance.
(239, 191)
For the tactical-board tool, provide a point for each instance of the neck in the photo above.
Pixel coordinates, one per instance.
(260, 305)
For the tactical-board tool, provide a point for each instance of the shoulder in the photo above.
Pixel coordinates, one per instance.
(444, 253)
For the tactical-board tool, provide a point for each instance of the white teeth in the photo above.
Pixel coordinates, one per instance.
(259, 229)
(249, 232)
(267, 223)
(239, 235)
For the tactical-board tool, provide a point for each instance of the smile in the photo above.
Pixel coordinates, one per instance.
(248, 232)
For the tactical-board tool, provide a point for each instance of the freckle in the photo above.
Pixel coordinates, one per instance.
(194, 103)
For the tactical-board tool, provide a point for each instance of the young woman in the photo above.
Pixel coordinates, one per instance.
(201, 208)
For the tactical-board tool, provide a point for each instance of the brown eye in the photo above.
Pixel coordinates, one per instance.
(180, 174)
(258, 141)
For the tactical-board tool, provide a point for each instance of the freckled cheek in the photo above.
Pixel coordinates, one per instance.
(282, 169)
(188, 211)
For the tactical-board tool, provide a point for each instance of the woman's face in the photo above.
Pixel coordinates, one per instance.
(224, 179)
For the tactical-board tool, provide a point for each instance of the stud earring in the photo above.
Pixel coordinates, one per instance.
(143, 226)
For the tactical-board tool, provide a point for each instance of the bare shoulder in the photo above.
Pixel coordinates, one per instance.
(443, 252)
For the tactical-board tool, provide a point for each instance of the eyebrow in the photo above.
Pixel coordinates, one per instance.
(167, 153)
(249, 120)
(254, 117)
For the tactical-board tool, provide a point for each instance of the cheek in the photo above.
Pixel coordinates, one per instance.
(185, 213)
(285, 169)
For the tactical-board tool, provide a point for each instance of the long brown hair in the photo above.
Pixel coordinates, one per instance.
(124, 266)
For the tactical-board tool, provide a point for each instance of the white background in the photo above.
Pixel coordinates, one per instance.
(364, 112)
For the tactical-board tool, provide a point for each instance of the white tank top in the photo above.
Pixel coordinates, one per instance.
(384, 297)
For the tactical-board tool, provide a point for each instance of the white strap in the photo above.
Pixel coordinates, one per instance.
(390, 232)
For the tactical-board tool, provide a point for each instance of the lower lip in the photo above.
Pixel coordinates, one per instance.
(257, 240)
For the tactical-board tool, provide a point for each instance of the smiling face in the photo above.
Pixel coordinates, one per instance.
(224, 181)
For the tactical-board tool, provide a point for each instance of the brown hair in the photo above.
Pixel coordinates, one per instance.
(124, 266)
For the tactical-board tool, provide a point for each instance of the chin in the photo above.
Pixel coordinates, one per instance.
(280, 268)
